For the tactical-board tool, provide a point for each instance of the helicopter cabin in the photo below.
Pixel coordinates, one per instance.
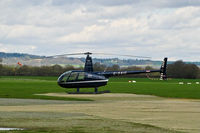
(81, 79)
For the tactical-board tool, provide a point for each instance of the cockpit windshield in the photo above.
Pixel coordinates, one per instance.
(72, 76)
(64, 76)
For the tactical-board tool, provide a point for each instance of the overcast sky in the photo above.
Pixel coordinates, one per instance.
(155, 28)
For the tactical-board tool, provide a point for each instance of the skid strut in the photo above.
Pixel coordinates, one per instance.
(96, 90)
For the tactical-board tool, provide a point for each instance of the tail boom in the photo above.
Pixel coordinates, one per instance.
(162, 70)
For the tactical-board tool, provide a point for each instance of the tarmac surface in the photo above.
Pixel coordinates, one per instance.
(170, 113)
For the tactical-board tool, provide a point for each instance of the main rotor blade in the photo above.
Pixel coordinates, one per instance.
(64, 55)
(88, 53)
(123, 55)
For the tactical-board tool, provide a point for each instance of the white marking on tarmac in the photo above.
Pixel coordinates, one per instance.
(8, 129)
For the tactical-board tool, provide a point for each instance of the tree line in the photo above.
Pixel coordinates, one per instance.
(178, 69)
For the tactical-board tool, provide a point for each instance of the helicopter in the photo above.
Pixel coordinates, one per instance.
(87, 78)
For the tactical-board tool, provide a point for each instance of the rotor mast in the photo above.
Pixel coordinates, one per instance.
(88, 63)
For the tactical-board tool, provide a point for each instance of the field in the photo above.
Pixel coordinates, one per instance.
(38, 104)
(26, 87)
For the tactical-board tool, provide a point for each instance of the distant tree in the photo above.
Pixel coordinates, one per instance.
(116, 67)
(99, 67)
(1, 66)
(69, 67)
(7, 71)
(179, 69)
(23, 71)
(176, 70)
(191, 71)
(149, 68)
(57, 69)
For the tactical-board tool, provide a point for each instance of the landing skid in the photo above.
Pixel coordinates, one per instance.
(95, 91)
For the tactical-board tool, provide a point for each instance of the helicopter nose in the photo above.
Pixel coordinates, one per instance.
(60, 84)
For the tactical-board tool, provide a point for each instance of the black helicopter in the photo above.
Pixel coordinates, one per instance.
(87, 78)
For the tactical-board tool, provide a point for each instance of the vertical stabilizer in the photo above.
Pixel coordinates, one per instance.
(163, 70)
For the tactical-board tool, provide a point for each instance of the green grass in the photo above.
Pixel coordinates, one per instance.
(170, 88)
(27, 87)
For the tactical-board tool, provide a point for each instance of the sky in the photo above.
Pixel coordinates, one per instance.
(153, 28)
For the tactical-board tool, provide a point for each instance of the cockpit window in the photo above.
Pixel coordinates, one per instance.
(81, 76)
(64, 77)
(73, 76)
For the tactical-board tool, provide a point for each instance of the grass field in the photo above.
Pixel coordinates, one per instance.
(38, 104)
(170, 88)
(27, 87)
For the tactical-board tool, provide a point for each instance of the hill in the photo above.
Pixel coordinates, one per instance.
(36, 60)
(18, 55)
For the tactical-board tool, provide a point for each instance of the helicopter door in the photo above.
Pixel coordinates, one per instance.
(81, 76)
(73, 76)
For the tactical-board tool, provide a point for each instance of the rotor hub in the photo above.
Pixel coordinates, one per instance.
(87, 53)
